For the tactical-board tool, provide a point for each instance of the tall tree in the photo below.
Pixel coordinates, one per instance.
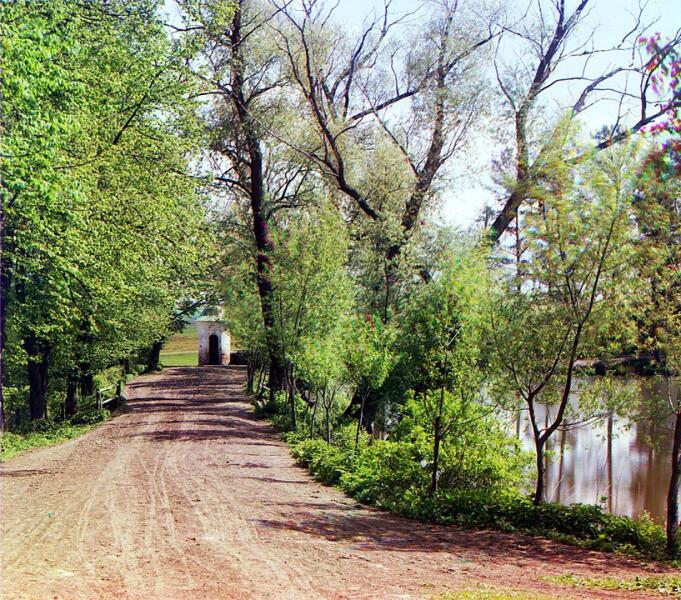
(570, 295)
(555, 56)
(101, 228)
(351, 87)
(657, 211)
(243, 79)
(440, 352)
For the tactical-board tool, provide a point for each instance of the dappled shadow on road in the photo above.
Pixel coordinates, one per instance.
(23, 472)
(368, 529)
(189, 434)
(210, 398)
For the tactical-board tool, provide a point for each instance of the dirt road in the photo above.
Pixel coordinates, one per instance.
(188, 496)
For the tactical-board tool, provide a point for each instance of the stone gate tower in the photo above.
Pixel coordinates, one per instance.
(214, 341)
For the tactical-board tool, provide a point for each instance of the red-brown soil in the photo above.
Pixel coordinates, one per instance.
(187, 495)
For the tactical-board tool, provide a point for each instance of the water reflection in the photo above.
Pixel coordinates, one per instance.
(627, 467)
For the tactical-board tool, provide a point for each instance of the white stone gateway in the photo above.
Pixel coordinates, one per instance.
(214, 341)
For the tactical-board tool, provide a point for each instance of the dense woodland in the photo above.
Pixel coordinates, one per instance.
(271, 158)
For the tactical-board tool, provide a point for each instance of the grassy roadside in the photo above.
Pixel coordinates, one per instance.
(12, 444)
(668, 586)
(493, 595)
(179, 359)
(28, 435)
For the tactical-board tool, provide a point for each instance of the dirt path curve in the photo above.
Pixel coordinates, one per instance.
(189, 496)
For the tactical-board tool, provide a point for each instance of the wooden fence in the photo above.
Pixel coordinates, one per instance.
(101, 400)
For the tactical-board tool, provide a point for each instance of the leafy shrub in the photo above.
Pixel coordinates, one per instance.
(39, 426)
(664, 585)
(580, 524)
(90, 416)
(278, 411)
(326, 463)
(386, 474)
(391, 475)
(475, 454)
(282, 422)
(642, 535)
(479, 477)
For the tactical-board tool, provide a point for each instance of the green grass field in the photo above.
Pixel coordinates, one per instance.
(181, 349)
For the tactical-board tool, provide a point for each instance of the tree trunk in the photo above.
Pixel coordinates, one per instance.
(5, 285)
(359, 422)
(276, 379)
(71, 403)
(314, 414)
(254, 180)
(608, 459)
(87, 381)
(250, 373)
(539, 490)
(37, 378)
(436, 457)
(424, 176)
(261, 380)
(291, 391)
(673, 494)
(4, 294)
(154, 356)
(328, 424)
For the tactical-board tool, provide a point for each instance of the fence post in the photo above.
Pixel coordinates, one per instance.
(62, 407)
(98, 396)
(119, 389)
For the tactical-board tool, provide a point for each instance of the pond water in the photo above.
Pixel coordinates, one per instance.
(625, 467)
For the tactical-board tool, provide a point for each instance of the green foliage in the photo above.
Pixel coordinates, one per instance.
(278, 412)
(387, 474)
(570, 296)
(585, 525)
(442, 327)
(90, 416)
(327, 463)
(396, 474)
(368, 353)
(310, 279)
(438, 379)
(657, 212)
(478, 453)
(103, 229)
(393, 475)
(313, 296)
(47, 433)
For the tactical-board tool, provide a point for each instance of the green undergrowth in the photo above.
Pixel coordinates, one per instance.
(668, 586)
(389, 475)
(35, 434)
